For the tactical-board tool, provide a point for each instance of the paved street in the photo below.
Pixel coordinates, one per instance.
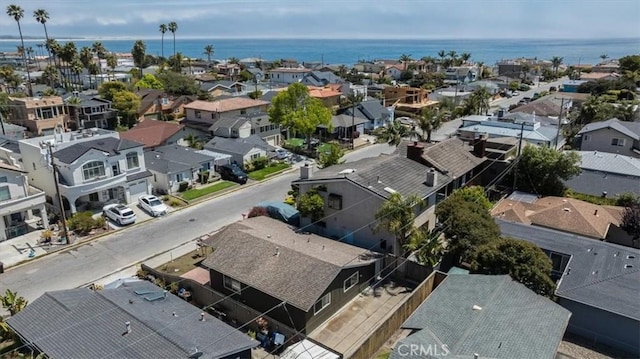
(121, 250)
(543, 86)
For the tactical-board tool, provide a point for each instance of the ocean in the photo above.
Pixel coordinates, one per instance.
(348, 52)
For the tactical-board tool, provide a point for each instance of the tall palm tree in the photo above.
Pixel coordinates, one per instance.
(86, 58)
(397, 217)
(556, 61)
(465, 56)
(480, 98)
(42, 16)
(404, 58)
(76, 68)
(393, 133)
(163, 29)
(112, 63)
(50, 75)
(101, 52)
(208, 50)
(442, 55)
(68, 52)
(604, 57)
(17, 13)
(173, 27)
(429, 121)
(40, 53)
(453, 55)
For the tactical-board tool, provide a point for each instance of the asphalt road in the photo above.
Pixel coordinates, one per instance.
(122, 249)
(543, 86)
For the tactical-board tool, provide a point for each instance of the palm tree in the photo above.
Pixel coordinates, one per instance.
(42, 16)
(465, 56)
(442, 54)
(17, 13)
(163, 29)
(68, 52)
(556, 62)
(426, 247)
(101, 52)
(173, 27)
(208, 50)
(73, 104)
(397, 216)
(430, 120)
(40, 53)
(192, 141)
(112, 63)
(13, 302)
(604, 57)
(393, 133)
(76, 68)
(86, 58)
(404, 58)
(50, 75)
(453, 55)
(481, 97)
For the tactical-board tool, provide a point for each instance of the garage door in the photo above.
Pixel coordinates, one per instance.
(137, 189)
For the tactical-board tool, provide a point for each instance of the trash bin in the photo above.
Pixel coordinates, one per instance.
(1, 267)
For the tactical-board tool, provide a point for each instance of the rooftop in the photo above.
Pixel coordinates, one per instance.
(174, 158)
(226, 105)
(237, 145)
(151, 132)
(110, 145)
(491, 315)
(609, 163)
(631, 129)
(81, 323)
(276, 259)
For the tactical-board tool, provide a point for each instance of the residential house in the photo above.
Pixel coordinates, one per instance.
(223, 87)
(194, 70)
(173, 164)
(408, 99)
(565, 214)
(522, 68)
(460, 74)
(372, 110)
(571, 86)
(330, 97)
(606, 174)
(394, 71)
(262, 263)
(228, 70)
(491, 87)
(22, 207)
(612, 136)
(39, 115)
(11, 131)
(342, 126)
(153, 133)
(95, 167)
(475, 316)
(610, 65)
(90, 112)
(597, 281)
(242, 150)
(287, 75)
(251, 62)
(135, 320)
(157, 104)
(206, 111)
(321, 78)
(457, 94)
(594, 76)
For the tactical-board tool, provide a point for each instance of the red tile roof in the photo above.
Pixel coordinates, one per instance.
(152, 133)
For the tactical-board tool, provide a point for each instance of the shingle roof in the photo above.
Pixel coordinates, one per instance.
(610, 163)
(346, 121)
(394, 172)
(228, 122)
(174, 158)
(542, 107)
(139, 175)
(596, 183)
(631, 129)
(452, 155)
(152, 133)
(272, 257)
(80, 323)
(110, 145)
(511, 321)
(226, 105)
(596, 273)
(237, 145)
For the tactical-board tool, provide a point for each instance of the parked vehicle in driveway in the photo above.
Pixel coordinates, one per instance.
(119, 213)
(282, 154)
(152, 205)
(233, 173)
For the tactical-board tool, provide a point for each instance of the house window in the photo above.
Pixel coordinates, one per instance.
(165, 101)
(198, 114)
(253, 131)
(5, 194)
(132, 160)
(335, 201)
(3, 179)
(93, 197)
(322, 303)
(243, 112)
(113, 193)
(232, 284)
(92, 170)
(179, 177)
(619, 142)
(255, 156)
(586, 138)
(351, 281)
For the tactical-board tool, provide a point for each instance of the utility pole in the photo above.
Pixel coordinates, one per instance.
(515, 170)
(559, 122)
(55, 180)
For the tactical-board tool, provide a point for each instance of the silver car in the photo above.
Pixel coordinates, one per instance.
(152, 205)
(119, 213)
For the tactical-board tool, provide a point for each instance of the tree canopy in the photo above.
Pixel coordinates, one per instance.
(542, 169)
(295, 109)
(523, 261)
(108, 89)
(331, 156)
(311, 205)
(177, 84)
(629, 63)
(396, 216)
(149, 81)
(127, 104)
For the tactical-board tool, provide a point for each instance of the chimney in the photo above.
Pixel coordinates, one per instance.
(414, 151)
(128, 325)
(306, 171)
(432, 178)
(480, 145)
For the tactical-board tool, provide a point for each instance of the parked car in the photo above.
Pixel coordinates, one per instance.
(515, 93)
(553, 89)
(522, 102)
(527, 99)
(282, 154)
(152, 205)
(233, 173)
(119, 213)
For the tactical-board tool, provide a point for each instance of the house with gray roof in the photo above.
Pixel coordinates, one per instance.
(606, 174)
(483, 316)
(372, 110)
(223, 87)
(613, 136)
(262, 262)
(173, 164)
(321, 78)
(242, 150)
(135, 320)
(597, 281)
(89, 111)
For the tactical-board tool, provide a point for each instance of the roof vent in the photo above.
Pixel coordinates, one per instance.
(476, 307)
(128, 326)
(347, 171)
(390, 190)
(277, 251)
(628, 266)
(566, 209)
(631, 257)
(202, 317)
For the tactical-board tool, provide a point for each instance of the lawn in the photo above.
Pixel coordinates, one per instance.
(324, 147)
(259, 175)
(182, 264)
(199, 192)
(295, 142)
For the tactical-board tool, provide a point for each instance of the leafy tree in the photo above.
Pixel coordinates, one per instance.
(13, 302)
(255, 94)
(392, 133)
(108, 89)
(514, 85)
(627, 199)
(127, 103)
(474, 194)
(177, 83)
(149, 81)
(294, 109)
(245, 76)
(138, 52)
(332, 156)
(426, 247)
(542, 169)
(397, 216)
(311, 205)
(630, 222)
(523, 261)
(467, 224)
(629, 63)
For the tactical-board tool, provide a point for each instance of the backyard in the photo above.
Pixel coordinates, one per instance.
(204, 191)
(270, 170)
(182, 264)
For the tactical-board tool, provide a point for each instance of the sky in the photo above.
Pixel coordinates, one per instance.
(329, 19)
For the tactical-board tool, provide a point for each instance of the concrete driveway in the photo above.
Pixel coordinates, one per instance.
(141, 216)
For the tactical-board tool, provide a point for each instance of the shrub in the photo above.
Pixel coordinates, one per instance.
(260, 163)
(627, 199)
(290, 200)
(257, 212)
(83, 222)
(183, 186)
(174, 202)
(100, 222)
(203, 177)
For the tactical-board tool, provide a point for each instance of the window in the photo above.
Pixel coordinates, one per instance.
(619, 142)
(113, 193)
(5, 194)
(232, 284)
(335, 201)
(179, 177)
(351, 281)
(93, 197)
(322, 303)
(92, 170)
(255, 156)
(198, 114)
(253, 131)
(3, 179)
(132, 160)
(586, 138)
(243, 112)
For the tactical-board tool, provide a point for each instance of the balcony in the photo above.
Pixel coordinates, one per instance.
(21, 203)
(97, 184)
